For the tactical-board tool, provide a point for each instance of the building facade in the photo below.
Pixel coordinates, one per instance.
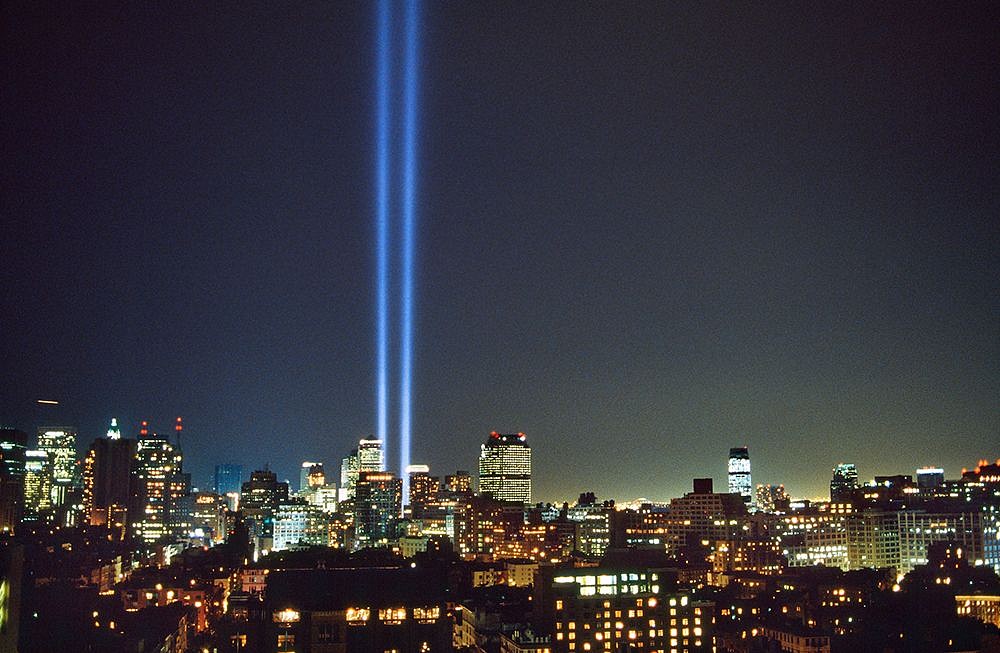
(505, 467)
(377, 507)
(740, 481)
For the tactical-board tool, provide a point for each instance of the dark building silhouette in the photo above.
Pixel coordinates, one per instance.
(13, 445)
(109, 481)
(357, 610)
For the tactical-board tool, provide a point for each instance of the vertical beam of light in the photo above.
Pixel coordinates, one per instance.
(410, 87)
(382, 152)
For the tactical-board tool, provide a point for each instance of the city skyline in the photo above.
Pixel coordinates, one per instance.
(658, 226)
(722, 479)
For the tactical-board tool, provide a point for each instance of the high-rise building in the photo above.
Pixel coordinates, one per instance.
(371, 457)
(114, 432)
(377, 506)
(299, 524)
(460, 482)
(348, 476)
(60, 443)
(228, 479)
(367, 457)
(160, 487)
(739, 474)
(37, 484)
(109, 481)
(844, 482)
(259, 499)
(209, 516)
(311, 475)
(505, 467)
(13, 445)
(423, 488)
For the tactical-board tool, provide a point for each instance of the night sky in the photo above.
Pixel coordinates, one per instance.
(648, 232)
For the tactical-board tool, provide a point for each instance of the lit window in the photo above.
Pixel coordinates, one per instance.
(426, 614)
(391, 615)
(358, 615)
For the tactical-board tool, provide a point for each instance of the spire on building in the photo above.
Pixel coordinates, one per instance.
(114, 433)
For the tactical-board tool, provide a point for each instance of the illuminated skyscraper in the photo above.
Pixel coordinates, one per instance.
(460, 481)
(60, 443)
(423, 488)
(37, 484)
(311, 475)
(505, 467)
(161, 485)
(114, 433)
(739, 474)
(370, 456)
(378, 503)
(348, 476)
(844, 482)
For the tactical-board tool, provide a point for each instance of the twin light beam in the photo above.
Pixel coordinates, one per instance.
(395, 211)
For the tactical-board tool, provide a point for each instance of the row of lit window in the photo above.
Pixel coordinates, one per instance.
(393, 615)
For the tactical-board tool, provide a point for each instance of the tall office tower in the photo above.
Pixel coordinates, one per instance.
(114, 433)
(844, 482)
(929, 478)
(505, 467)
(108, 481)
(13, 445)
(228, 479)
(208, 519)
(60, 443)
(423, 489)
(298, 524)
(739, 474)
(37, 484)
(371, 458)
(260, 498)
(160, 487)
(368, 457)
(460, 481)
(348, 476)
(377, 506)
(311, 475)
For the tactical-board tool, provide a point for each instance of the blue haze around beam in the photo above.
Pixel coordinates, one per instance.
(410, 133)
(382, 136)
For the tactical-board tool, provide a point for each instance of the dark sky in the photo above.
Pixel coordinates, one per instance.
(649, 232)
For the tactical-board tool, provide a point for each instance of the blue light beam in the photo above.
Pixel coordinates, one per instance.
(410, 115)
(382, 137)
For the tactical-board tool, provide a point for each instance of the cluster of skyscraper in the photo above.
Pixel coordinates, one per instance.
(370, 506)
(136, 486)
